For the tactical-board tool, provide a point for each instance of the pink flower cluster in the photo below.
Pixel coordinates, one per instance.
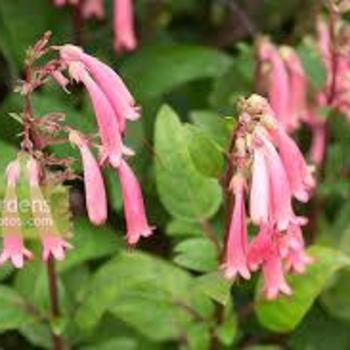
(284, 79)
(272, 170)
(123, 24)
(113, 106)
(13, 245)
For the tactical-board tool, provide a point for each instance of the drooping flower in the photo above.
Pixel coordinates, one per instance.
(297, 102)
(14, 248)
(93, 8)
(274, 280)
(277, 80)
(60, 2)
(260, 189)
(134, 208)
(299, 174)
(109, 82)
(280, 204)
(235, 260)
(95, 193)
(112, 145)
(124, 29)
(52, 241)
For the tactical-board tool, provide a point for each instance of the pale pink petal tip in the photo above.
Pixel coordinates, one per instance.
(232, 272)
(271, 293)
(54, 246)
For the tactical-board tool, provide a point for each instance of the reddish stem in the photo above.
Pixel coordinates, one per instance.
(57, 340)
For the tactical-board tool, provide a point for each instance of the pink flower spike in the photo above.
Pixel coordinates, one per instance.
(274, 281)
(134, 208)
(54, 246)
(15, 250)
(260, 189)
(124, 31)
(235, 262)
(299, 174)
(105, 116)
(95, 193)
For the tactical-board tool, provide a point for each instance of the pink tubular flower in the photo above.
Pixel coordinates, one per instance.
(278, 82)
(14, 248)
(95, 193)
(235, 262)
(53, 244)
(134, 208)
(124, 31)
(60, 3)
(93, 8)
(293, 250)
(299, 175)
(109, 82)
(106, 120)
(274, 281)
(260, 189)
(280, 205)
(297, 88)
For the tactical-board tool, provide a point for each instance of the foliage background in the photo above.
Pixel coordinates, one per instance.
(195, 59)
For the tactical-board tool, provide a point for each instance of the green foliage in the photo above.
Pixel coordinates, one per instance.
(184, 192)
(284, 314)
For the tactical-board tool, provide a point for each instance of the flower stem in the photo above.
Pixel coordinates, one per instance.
(57, 340)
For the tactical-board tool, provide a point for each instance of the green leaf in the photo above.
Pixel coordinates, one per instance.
(215, 126)
(284, 314)
(206, 156)
(113, 344)
(180, 228)
(137, 309)
(336, 297)
(125, 272)
(321, 332)
(227, 330)
(14, 312)
(183, 191)
(215, 286)
(90, 242)
(197, 254)
(163, 68)
(198, 337)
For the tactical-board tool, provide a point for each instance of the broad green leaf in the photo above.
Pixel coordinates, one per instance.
(206, 156)
(215, 286)
(336, 297)
(227, 330)
(180, 228)
(198, 336)
(197, 254)
(184, 192)
(152, 313)
(215, 126)
(14, 310)
(284, 314)
(321, 332)
(90, 242)
(122, 274)
(164, 68)
(37, 334)
(114, 344)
